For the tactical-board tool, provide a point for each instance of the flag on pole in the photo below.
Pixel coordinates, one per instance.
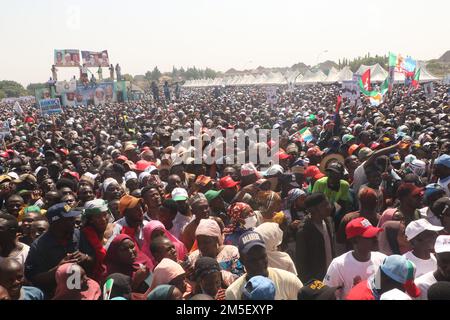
(392, 60)
(303, 135)
(410, 66)
(365, 92)
(375, 97)
(17, 108)
(415, 81)
(365, 77)
(338, 103)
(385, 86)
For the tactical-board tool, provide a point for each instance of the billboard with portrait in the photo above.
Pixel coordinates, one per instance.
(43, 93)
(94, 94)
(95, 59)
(67, 58)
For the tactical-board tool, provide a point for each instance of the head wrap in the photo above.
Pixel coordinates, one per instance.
(162, 292)
(62, 292)
(208, 227)
(166, 271)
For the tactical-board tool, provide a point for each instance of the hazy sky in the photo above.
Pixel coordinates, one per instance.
(216, 33)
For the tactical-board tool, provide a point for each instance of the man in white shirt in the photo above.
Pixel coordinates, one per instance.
(184, 215)
(422, 235)
(442, 272)
(355, 266)
(252, 251)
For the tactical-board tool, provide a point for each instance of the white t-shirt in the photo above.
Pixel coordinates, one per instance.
(359, 177)
(118, 226)
(20, 256)
(346, 272)
(424, 283)
(422, 266)
(287, 285)
(179, 223)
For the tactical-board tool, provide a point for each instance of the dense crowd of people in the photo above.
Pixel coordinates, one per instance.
(105, 202)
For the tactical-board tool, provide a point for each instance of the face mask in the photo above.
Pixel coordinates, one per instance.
(250, 222)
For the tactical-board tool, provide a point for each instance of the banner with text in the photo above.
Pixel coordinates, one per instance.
(50, 106)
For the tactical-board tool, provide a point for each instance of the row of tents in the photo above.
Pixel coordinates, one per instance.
(378, 74)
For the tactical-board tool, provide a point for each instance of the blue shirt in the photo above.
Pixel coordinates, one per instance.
(46, 253)
(31, 293)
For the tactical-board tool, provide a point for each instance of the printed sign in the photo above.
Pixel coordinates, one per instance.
(50, 106)
(271, 95)
(95, 59)
(67, 58)
(4, 130)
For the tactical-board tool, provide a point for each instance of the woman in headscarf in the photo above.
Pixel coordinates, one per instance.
(269, 205)
(171, 273)
(208, 278)
(124, 257)
(273, 237)
(294, 209)
(155, 229)
(208, 236)
(242, 219)
(295, 212)
(165, 292)
(112, 189)
(96, 215)
(88, 289)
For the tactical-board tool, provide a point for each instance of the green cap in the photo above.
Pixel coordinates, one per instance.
(32, 209)
(96, 206)
(212, 194)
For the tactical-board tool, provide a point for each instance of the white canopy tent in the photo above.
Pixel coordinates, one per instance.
(377, 73)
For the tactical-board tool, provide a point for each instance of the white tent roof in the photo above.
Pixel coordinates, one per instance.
(425, 75)
(313, 77)
(332, 76)
(345, 74)
(377, 73)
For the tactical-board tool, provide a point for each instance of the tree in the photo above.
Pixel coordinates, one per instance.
(12, 89)
(148, 76)
(31, 88)
(174, 72)
(156, 74)
(210, 73)
(127, 77)
(2, 95)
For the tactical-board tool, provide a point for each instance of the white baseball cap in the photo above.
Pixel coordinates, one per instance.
(130, 175)
(418, 226)
(179, 194)
(442, 244)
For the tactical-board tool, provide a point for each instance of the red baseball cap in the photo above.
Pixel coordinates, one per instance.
(141, 165)
(361, 227)
(282, 155)
(313, 172)
(73, 174)
(227, 182)
(4, 155)
(122, 158)
(314, 151)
